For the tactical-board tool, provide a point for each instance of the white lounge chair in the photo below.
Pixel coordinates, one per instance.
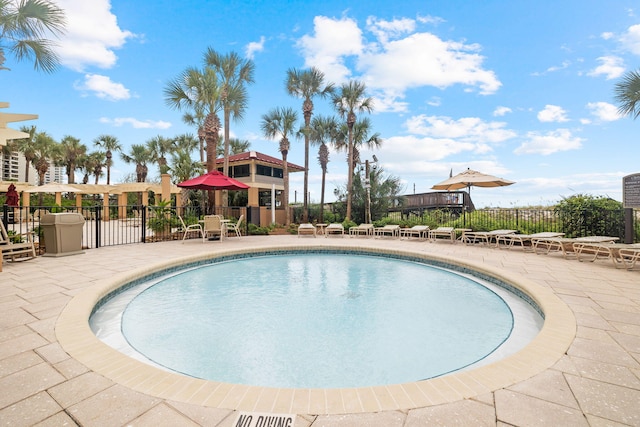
(445, 232)
(236, 228)
(186, 229)
(420, 232)
(334, 229)
(389, 230)
(213, 225)
(307, 229)
(361, 230)
(525, 240)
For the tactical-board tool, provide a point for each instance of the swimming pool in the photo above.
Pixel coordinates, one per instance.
(319, 320)
(78, 340)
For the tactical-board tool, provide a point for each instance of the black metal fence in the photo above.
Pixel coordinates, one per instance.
(115, 225)
(120, 225)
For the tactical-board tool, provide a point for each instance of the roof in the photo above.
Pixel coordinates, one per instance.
(260, 157)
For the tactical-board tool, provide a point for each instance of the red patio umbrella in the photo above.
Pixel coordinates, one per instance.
(213, 180)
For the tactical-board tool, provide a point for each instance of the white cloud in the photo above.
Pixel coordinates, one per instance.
(92, 34)
(135, 123)
(332, 40)
(397, 60)
(604, 111)
(103, 87)
(254, 47)
(611, 67)
(553, 113)
(423, 59)
(549, 143)
(501, 111)
(631, 39)
(385, 30)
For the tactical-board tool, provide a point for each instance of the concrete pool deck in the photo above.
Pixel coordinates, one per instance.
(597, 381)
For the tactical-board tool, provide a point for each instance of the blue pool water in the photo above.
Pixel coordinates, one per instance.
(317, 321)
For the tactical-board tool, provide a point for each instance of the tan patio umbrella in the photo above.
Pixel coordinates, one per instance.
(53, 188)
(471, 178)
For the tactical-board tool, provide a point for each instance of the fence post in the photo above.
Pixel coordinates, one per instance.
(144, 223)
(98, 211)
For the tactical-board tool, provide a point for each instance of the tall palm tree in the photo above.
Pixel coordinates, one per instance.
(140, 156)
(199, 91)
(72, 149)
(158, 148)
(348, 100)
(323, 130)
(628, 94)
(110, 144)
(234, 73)
(280, 122)
(306, 84)
(46, 150)
(24, 26)
(26, 147)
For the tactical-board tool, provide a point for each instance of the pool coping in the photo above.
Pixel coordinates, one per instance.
(77, 339)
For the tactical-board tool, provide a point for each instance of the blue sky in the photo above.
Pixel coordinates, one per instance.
(521, 90)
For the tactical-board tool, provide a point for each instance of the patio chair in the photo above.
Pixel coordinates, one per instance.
(307, 229)
(420, 232)
(236, 228)
(445, 232)
(186, 229)
(525, 240)
(361, 230)
(13, 250)
(334, 229)
(389, 230)
(485, 237)
(213, 226)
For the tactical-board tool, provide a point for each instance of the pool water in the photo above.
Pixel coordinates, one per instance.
(318, 321)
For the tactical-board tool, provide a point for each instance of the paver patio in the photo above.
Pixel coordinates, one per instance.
(597, 381)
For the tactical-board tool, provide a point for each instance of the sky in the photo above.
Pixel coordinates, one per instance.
(518, 89)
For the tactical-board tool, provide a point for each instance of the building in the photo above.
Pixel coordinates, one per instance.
(265, 176)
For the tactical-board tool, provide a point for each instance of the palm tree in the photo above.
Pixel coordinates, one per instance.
(140, 156)
(280, 122)
(26, 147)
(323, 130)
(307, 84)
(158, 148)
(110, 144)
(348, 100)
(628, 94)
(234, 73)
(236, 146)
(72, 150)
(199, 91)
(197, 119)
(45, 151)
(24, 24)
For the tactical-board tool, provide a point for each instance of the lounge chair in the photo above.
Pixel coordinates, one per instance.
(525, 240)
(565, 244)
(213, 225)
(389, 230)
(485, 237)
(420, 232)
(361, 230)
(307, 230)
(334, 229)
(186, 229)
(445, 232)
(236, 227)
(13, 250)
